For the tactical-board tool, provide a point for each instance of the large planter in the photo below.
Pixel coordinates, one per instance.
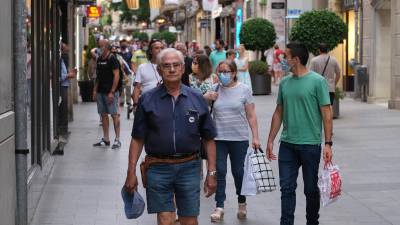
(335, 108)
(86, 90)
(261, 84)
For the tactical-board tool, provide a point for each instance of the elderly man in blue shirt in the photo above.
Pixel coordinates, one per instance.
(170, 122)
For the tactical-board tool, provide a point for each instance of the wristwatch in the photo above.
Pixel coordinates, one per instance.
(212, 173)
(330, 143)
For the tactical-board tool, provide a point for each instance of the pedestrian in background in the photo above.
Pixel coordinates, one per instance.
(188, 62)
(234, 112)
(65, 83)
(243, 68)
(91, 71)
(169, 122)
(219, 54)
(231, 55)
(202, 78)
(147, 76)
(106, 92)
(269, 56)
(139, 56)
(207, 50)
(302, 106)
(328, 67)
(65, 77)
(277, 66)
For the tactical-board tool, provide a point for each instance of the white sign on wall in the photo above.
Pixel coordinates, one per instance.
(171, 2)
(210, 5)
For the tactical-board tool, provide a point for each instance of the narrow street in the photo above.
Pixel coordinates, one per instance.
(84, 187)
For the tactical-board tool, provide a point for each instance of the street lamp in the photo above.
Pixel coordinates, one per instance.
(160, 20)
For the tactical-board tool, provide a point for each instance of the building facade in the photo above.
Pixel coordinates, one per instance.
(381, 50)
(7, 121)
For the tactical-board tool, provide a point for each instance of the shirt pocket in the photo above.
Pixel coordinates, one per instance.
(191, 122)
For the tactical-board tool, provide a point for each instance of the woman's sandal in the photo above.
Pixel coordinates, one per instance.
(242, 211)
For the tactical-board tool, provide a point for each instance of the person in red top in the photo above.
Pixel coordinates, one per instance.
(277, 67)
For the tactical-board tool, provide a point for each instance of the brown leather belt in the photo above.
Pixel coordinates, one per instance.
(152, 160)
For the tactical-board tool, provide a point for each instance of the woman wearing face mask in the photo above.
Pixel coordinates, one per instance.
(202, 78)
(234, 111)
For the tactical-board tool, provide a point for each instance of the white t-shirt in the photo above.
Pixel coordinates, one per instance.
(230, 113)
(147, 76)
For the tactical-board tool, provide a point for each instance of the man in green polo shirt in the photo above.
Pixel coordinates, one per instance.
(219, 54)
(303, 105)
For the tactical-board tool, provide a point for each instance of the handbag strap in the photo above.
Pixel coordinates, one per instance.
(212, 103)
(259, 149)
(327, 61)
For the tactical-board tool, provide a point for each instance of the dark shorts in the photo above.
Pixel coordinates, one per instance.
(332, 97)
(103, 107)
(164, 181)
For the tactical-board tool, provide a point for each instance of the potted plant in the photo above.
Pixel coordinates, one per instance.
(167, 36)
(86, 85)
(319, 26)
(141, 36)
(258, 35)
(335, 107)
(260, 80)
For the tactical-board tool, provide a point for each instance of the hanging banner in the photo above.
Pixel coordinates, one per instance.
(132, 4)
(210, 5)
(239, 22)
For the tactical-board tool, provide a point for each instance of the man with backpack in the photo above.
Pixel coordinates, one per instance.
(106, 92)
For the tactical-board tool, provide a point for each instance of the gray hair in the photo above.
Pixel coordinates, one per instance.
(168, 51)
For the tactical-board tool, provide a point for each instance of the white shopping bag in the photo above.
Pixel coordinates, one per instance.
(330, 184)
(262, 171)
(249, 186)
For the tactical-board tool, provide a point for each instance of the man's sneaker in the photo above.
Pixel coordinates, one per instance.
(117, 144)
(217, 215)
(102, 143)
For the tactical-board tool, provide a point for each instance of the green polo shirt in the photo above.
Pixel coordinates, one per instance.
(217, 57)
(301, 99)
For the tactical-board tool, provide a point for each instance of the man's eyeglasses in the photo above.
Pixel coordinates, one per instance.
(169, 66)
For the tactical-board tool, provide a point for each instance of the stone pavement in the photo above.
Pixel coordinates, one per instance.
(84, 186)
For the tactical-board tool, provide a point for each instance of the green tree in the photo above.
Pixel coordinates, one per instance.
(315, 27)
(142, 36)
(258, 35)
(139, 15)
(167, 36)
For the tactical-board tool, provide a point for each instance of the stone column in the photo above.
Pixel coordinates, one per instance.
(394, 102)
(335, 6)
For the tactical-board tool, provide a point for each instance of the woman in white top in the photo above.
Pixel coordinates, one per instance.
(234, 111)
(243, 67)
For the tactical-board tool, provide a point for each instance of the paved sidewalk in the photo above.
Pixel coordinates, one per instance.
(84, 187)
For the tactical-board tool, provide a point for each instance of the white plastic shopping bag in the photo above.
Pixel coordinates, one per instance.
(249, 187)
(330, 184)
(262, 172)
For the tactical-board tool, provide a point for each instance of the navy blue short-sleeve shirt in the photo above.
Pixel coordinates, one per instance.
(168, 125)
